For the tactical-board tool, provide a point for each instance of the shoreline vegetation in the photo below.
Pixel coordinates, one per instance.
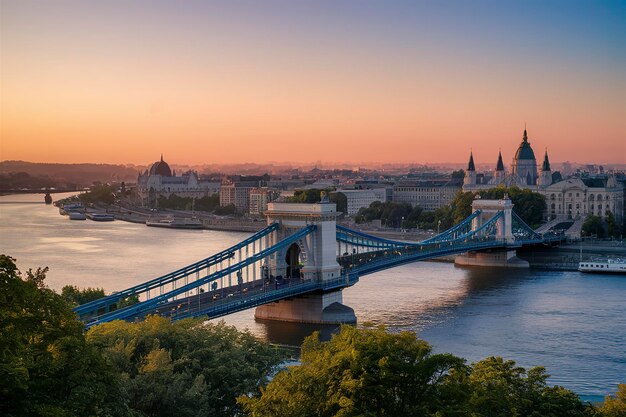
(49, 366)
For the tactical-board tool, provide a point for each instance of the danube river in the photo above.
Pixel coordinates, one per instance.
(571, 323)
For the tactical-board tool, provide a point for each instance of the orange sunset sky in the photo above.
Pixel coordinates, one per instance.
(336, 81)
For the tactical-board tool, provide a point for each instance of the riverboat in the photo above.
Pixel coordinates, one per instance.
(175, 223)
(611, 266)
(67, 208)
(76, 215)
(100, 217)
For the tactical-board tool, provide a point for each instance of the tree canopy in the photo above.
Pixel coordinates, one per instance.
(186, 368)
(46, 366)
(370, 372)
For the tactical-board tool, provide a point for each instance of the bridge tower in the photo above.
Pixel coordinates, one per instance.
(505, 257)
(312, 258)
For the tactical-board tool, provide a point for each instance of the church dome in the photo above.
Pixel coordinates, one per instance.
(161, 168)
(525, 151)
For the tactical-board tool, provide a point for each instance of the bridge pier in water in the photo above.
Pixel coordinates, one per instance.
(504, 257)
(312, 258)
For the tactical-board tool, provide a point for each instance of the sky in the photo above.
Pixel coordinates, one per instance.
(338, 81)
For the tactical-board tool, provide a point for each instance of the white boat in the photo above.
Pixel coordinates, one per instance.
(67, 208)
(76, 215)
(100, 217)
(175, 223)
(612, 266)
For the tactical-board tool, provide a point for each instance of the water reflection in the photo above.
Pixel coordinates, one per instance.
(569, 322)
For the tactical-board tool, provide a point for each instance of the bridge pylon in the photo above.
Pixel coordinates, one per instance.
(312, 258)
(505, 257)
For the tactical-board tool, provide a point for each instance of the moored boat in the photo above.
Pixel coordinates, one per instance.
(100, 217)
(612, 266)
(175, 223)
(76, 215)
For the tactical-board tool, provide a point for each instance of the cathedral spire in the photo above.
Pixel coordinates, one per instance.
(161, 156)
(525, 138)
(500, 165)
(470, 165)
(546, 162)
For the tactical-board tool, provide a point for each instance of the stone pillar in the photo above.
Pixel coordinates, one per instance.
(494, 257)
(318, 251)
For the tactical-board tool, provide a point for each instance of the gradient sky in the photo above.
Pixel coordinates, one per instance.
(353, 81)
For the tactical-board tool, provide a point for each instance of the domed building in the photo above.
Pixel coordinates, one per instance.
(160, 168)
(160, 180)
(524, 165)
(573, 198)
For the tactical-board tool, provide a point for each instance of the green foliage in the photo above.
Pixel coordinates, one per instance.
(365, 372)
(75, 296)
(370, 372)
(458, 174)
(612, 229)
(389, 212)
(615, 406)
(528, 205)
(314, 195)
(593, 225)
(175, 202)
(226, 210)
(46, 366)
(99, 193)
(341, 200)
(187, 368)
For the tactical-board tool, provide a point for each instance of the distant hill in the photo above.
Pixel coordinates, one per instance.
(80, 174)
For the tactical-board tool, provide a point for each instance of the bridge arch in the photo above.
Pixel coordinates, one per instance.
(293, 261)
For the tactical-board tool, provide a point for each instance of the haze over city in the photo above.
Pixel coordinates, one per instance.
(338, 82)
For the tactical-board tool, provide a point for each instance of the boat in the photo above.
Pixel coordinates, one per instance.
(176, 223)
(76, 215)
(100, 217)
(67, 208)
(611, 266)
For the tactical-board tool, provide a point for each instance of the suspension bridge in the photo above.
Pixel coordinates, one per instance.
(296, 267)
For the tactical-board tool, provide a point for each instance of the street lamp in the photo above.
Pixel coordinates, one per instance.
(438, 226)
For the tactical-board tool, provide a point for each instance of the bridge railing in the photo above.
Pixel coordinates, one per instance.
(261, 296)
(145, 307)
(174, 276)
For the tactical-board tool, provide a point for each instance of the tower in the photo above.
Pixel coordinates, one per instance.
(500, 174)
(546, 173)
(470, 173)
(524, 163)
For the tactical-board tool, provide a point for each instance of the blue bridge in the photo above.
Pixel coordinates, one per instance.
(295, 268)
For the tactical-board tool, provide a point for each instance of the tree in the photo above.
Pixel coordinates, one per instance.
(528, 205)
(75, 296)
(458, 174)
(593, 225)
(615, 406)
(369, 372)
(99, 193)
(611, 228)
(341, 200)
(46, 366)
(186, 368)
(366, 372)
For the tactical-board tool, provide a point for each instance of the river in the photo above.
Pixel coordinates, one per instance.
(571, 323)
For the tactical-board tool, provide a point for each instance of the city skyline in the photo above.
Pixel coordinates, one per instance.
(337, 82)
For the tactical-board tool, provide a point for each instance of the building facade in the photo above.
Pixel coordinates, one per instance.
(429, 195)
(159, 180)
(259, 198)
(572, 198)
(357, 199)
